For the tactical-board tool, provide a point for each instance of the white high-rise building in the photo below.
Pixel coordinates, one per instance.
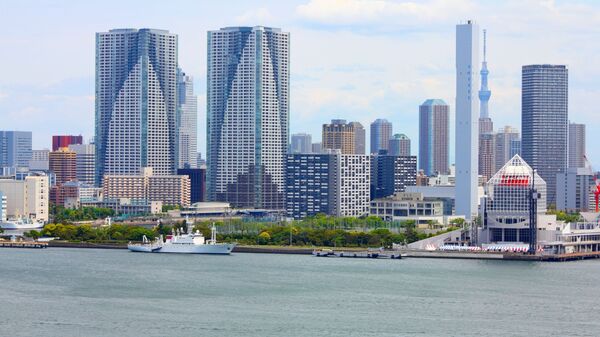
(85, 162)
(248, 115)
(136, 101)
(352, 188)
(187, 121)
(467, 114)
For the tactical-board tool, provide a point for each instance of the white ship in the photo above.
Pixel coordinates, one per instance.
(21, 223)
(178, 242)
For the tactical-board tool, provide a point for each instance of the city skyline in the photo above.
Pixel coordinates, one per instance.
(65, 92)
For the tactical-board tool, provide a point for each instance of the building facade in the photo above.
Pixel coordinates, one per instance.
(85, 162)
(399, 145)
(434, 136)
(136, 102)
(15, 149)
(349, 138)
(505, 145)
(197, 183)
(467, 119)
(381, 132)
(575, 190)
(487, 154)
(27, 198)
(63, 164)
(59, 142)
(544, 119)
(392, 174)
(576, 145)
(248, 115)
(187, 122)
(405, 206)
(301, 143)
(39, 160)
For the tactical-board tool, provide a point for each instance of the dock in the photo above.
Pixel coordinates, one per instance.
(23, 244)
(365, 254)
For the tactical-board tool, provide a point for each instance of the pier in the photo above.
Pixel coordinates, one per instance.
(23, 244)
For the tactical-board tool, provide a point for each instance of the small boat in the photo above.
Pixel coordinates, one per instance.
(21, 223)
(323, 252)
(184, 243)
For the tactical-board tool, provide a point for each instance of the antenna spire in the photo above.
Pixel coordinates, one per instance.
(484, 45)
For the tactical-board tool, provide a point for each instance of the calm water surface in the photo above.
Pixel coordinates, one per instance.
(87, 292)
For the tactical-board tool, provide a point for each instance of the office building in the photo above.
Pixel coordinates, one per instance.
(39, 160)
(316, 148)
(63, 164)
(187, 121)
(413, 206)
(391, 174)
(381, 132)
(197, 183)
(26, 198)
(15, 149)
(170, 190)
(576, 145)
(544, 119)
(136, 102)
(467, 119)
(505, 210)
(575, 190)
(59, 142)
(349, 138)
(507, 144)
(248, 115)
(301, 143)
(85, 162)
(399, 145)
(487, 155)
(434, 136)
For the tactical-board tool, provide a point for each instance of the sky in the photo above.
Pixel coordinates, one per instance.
(351, 59)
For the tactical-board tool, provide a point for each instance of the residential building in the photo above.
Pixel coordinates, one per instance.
(487, 154)
(85, 162)
(197, 183)
(399, 145)
(170, 190)
(467, 114)
(575, 190)
(248, 115)
(63, 164)
(26, 198)
(434, 136)
(39, 160)
(349, 138)
(136, 102)
(187, 121)
(544, 119)
(381, 132)
(59, 142)
(330, 183)
(301, 143)
(15, 149)
(505, 210)
(391, 174)
(576, 145)
(505, 146)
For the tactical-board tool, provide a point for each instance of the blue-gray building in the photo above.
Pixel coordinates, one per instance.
(399, 145)
(15, 149)
(544, 120)
(434, 137)
(136, 102)
(310, 184)
(381, 132)
(247, 116)
(391, 174)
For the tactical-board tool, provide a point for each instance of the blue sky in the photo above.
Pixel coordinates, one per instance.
(352, 59)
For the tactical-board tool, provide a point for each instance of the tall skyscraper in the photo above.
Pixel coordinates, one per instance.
(301, 143)
(65, 140)
(15, 149)
(381, 132)
(434, 136)
(248, 115)
(544, 119)
(576, 145)
(486, 126)
(504, 146)
(467, 58)
(136, 101)
(399, 145)
(349, 138)
(187, 121)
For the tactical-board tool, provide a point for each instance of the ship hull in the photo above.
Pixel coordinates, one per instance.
(12, 226)
(218, 249)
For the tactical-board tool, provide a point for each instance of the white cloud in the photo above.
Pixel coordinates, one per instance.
(255, 17)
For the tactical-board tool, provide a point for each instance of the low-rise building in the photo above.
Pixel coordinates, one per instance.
(170, 190)
(404, 206)
(3, 207)
(26, 198)
(127, 207)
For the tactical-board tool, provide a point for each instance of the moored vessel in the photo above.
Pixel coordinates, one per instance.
(21, 223)
(184, 243)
